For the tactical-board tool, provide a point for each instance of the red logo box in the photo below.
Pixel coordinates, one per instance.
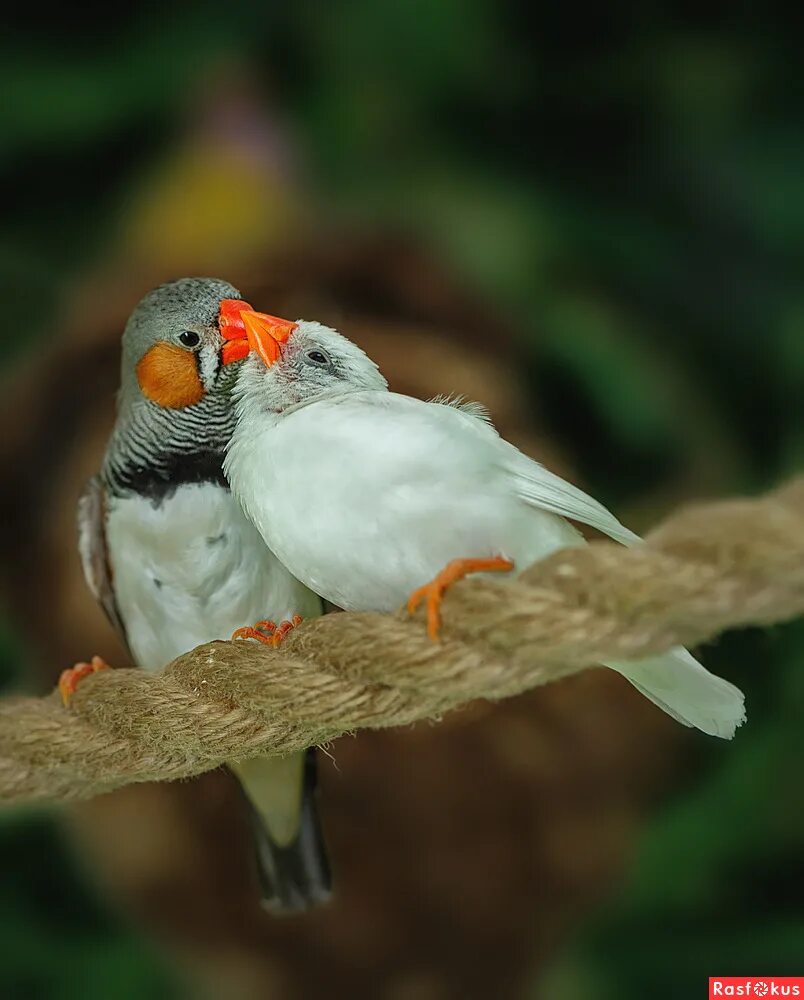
(756, 986)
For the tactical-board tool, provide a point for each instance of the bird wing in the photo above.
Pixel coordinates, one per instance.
(675, 681)
(93, 551)
(537, 486)
(532, 482)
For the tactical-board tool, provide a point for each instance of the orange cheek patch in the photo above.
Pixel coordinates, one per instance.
(168, 376)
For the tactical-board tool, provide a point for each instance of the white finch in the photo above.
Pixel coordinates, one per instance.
(170, 556)
(365, 495)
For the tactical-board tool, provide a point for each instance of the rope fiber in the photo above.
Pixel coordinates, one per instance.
(706, 569)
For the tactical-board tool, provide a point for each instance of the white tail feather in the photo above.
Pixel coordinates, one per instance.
(683, 688)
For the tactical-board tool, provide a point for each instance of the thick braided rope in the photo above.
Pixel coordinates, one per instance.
(707, 568)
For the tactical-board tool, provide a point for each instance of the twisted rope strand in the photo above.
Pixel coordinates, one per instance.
(706, 569)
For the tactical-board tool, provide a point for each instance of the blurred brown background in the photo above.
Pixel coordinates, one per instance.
(591, 229)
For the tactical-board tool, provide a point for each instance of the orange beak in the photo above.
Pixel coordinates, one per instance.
(245, 330)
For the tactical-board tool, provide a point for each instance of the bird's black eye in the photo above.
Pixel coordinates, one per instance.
(189, 339)
(317, 357)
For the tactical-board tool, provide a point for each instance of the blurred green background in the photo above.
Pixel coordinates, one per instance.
(623, 186)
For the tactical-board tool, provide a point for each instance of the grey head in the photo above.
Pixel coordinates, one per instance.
(311, 362)
(174, 414)
(183, 316)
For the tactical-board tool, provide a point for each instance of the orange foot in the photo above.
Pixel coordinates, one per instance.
(434, 591)
(71, 677)
(267, 632)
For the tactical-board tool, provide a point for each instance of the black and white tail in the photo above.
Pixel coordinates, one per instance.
(292, 864)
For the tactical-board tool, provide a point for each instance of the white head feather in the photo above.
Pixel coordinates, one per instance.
(315, 362)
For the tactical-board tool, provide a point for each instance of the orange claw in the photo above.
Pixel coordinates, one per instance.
(71, 677)
(267, 632)
(433, 592)
(262, 631)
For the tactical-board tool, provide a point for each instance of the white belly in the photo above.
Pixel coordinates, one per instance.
(192, 570)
